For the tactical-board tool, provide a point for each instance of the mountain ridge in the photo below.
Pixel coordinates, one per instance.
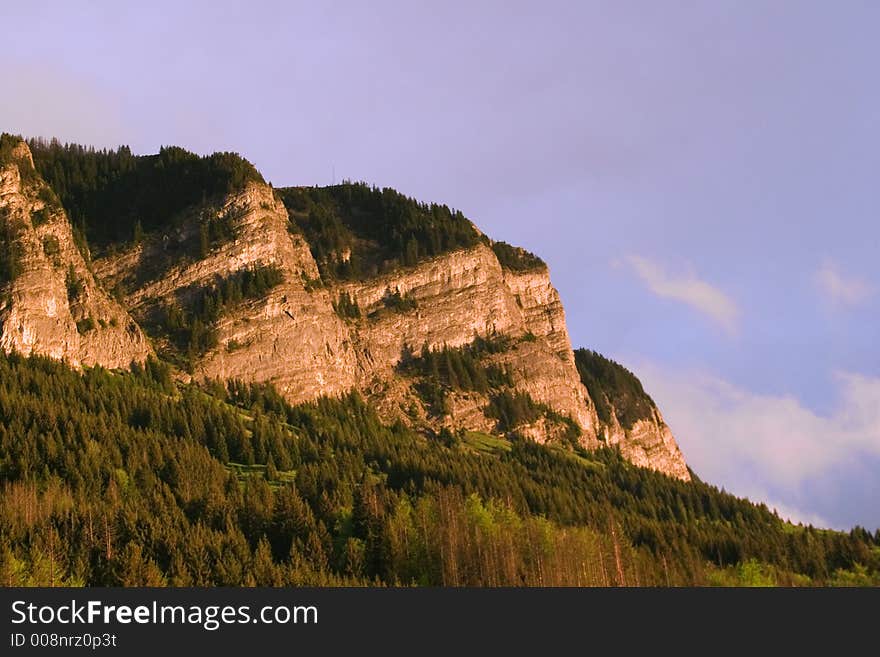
(446, 458)
(367, 277)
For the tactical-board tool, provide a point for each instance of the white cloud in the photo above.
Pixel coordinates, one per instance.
(838, 289)
(793, 514)
(767, 447)
(688, 289)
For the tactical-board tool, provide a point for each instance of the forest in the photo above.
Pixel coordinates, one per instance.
(356, 230)
(133, 478)
(607, 380)
(517, 258)
(189, 323)
(444, 369)
(114, 196)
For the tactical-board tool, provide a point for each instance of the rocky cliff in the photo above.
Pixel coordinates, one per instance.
(464, 294)
(307, 332)
(295, 339)
(649, 443)
(627, 416)
(291, 337)
(51, 303)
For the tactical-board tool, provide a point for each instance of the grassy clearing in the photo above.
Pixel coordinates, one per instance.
(484, 442)
(244, 471)
(580, 458)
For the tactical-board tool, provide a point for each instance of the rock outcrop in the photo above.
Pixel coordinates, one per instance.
(51, 303)
(649, 443)
(464, 294)
(627, 416)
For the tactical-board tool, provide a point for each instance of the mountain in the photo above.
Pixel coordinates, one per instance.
(206, 381)
(317, 291)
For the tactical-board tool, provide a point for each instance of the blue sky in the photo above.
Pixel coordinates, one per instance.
(702, 177)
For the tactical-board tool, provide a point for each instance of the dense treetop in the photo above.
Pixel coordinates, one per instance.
(114, 194)
(356, 231)
(186, 326)
(613, 388)
(517, 258)
(133, 479)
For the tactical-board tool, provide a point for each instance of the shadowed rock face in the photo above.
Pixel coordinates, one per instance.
(292, 335)
(53, 305)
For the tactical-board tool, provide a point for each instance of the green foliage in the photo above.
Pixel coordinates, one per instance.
(346, 306)
(111, 192)
(249, 283)
(356, 231)
(215, 231)
(464, 368)
(517, 258)
(50, 246)
(8, 144)
(311, 283)
(47, 195)
(39, 217)
(512, 409)
(137, 236)
(10, 252)
(610, 383)
(459, 368)
(398, 302)
(130, 479)
(190, 325)
(83, 326)
(857, 575)
(485, 442)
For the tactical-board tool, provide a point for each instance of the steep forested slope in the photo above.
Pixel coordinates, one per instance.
(130, 478)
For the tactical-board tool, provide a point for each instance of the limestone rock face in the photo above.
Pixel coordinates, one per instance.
(541, 308)
(293, 336)
(649, 443)
(53, 304)
(461, 295)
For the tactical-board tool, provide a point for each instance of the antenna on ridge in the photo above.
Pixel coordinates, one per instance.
(334, 174)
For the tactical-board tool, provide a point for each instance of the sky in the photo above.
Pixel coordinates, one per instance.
(701, 177)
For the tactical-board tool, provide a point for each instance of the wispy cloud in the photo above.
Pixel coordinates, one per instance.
(689, 289)
(770, 447)
(791, 513)
(839, 289)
